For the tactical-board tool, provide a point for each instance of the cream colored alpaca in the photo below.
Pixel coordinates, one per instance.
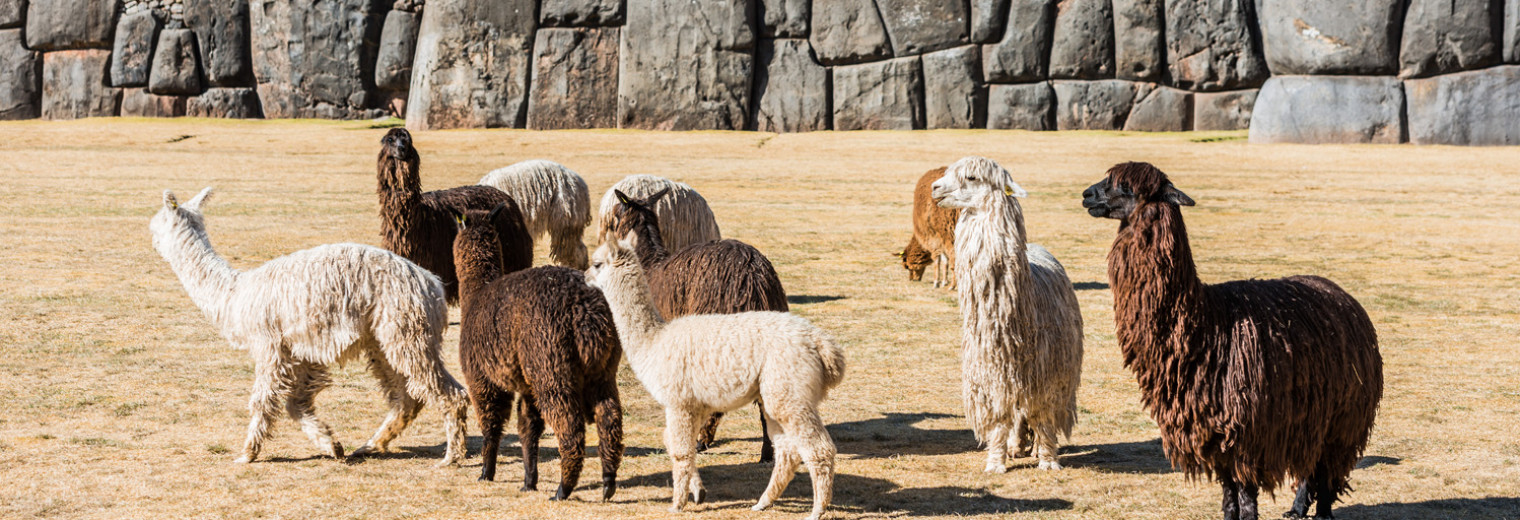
(554, 201)
(1021, 331)
(298, 314)
(701, 364)
(684, 216)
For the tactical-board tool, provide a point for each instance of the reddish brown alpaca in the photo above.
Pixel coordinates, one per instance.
(1248, 380)
(933, 230)
(543, 333)
(915, 259)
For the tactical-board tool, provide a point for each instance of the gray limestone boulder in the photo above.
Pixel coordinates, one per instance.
(1024, 52)
(12, 13)
(1442, 36)
(398, 45)
(20, 78)
(132, 55)
(686, 65)
(1093, 105)
(74, 85)
(1083, 40)
(575, 79)
(1209, 45)
(138, 102)
(580, 13)
(1160, 109)
(221, 33)
(70, 24)
(847, 31)
(988, 18)
(920, 26)
(176, 71)
(1329, 109)
(886, 95)
(315, 58)
(792, 89)
(1480, 107)
(471, 75)
(1331, 37)
(1139, 40)
(1223, 110)
(1030, 106)
(228, 103)
(953, 92)
(785, 18)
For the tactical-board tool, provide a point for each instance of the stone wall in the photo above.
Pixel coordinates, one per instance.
(1380, 71)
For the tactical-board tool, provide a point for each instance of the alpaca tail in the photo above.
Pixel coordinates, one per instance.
(833, 360)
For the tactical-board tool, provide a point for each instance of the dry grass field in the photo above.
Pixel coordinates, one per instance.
(120, 400)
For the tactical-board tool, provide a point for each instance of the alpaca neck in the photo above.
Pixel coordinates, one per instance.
(207, 277)
(651, 246)
(990, 239)
(400, 190)
(634, 312)
(1155, 283)
(475, 273)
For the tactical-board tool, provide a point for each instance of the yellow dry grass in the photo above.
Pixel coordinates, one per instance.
(120, 401)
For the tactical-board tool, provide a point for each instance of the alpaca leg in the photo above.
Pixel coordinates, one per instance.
(785, 468)
(271, 382)
(939, 267)
(709, 432)
(1047, 444)
(403, 408)
(308, 381)
(530, 426)
(1324, 491)
(1022, 438)
(493, 407)
(567, 249)
(817, 451)
(767, 451)
(428, 381)
(950, 267)
(997, 450)
(609, 431)
(1230, 505)
(1301, 499)
(681, 442)
(1247, 499)
(569, 421)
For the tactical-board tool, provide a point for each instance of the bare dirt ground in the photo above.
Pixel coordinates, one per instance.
(121, 401)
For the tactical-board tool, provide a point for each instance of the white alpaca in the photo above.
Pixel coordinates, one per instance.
(684, 216)
(298, 314)
(1021, 329)
(698, 365)
(554, 201)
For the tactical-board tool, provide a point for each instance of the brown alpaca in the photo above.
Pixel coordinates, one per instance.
(722, 277)
(1248, 380)
(543, 333)
(915, 259)
(419, 227)
(934, 230)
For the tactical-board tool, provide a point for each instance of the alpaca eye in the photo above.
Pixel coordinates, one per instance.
(972, 179)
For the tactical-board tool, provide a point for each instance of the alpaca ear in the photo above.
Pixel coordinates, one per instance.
(1012, 189)
(199, 200)
(656, 197)
(169, 200)
(1175, 196)
(899, 254)
(496, 211)
(458, 216)
(623, 197)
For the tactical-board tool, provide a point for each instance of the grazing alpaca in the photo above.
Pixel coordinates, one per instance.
(697, 365)
(418, 225)
(298, 314)
(934, 229)
(1248, 380)
(915, 260)
(543, 333)
(554, 202)
(1021, 355)
(722, 277)
(685, 218)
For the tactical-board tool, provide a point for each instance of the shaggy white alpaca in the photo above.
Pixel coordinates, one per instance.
(1021, 328)
(701, 364)
(684, 216)
(298, 314)
(554, 200)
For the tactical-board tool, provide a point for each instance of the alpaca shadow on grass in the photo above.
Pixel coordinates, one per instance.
(1496, 508)
(738, 486)
(896, 434)
(1089, 286)
(805, 299)
(1377, 460)
(1145, 457)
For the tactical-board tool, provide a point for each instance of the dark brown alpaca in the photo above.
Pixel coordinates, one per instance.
(915, 259)
(934, 230)
(543, 333)
(722, 277)
(1249, 380)
(418, 225)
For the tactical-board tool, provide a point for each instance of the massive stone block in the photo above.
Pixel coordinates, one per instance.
(12, 13)
(398, 45)
(471, 75)
(138, 102)
(70, 24)
(1139, 41)
(1030, 106)
(1209, 45)
(920, 26)
(221, 32)
(791, 88)
(1480, 107)
(1223, 110)
(1023, 54)
(1329, 109)
(74, 85)
(1093, 105)
(953, 93)
(20, 78)
(230, 103)
(885, 95)
(1442, 36)
(988, 18)
(314, 58)
(580, 13)
(132, 54)
(1083, 45)
(1160, 109)
(175, 68)
(575, 79)
(785, 18)
(686, 65)
(1331, 36)
(847, 31)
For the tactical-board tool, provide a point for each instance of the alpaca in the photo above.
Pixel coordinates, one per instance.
(1249, 380)
(915, 259)
(1021, 353)
(554, 201)
(301, 313)
(722, 277)
(418, 225)
(700, 364)
(545, 334)
(934, 229)
(684, 215)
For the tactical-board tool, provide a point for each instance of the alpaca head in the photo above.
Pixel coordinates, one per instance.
(1128, 186)
(915, 259)
(397, 144)
(476, 244)
(631, 214)
(396, 168)
(974, 182)
(617, 255)
(177, 219)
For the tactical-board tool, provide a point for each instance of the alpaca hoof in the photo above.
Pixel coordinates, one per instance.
(526, 488)
(675, 509)
(698, 496)
(336, 451)
(993, 467)
(486, 478)
(1294, 515)
(609, 488)
(563, 493)
(1050, 465)
(702, 447)
(363, 450)
(243, 459)
(1022, 452)
(760, 506)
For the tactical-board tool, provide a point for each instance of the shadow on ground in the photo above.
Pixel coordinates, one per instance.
(897, 434)
(804, 299)
(1119, 457)
(1497, 508)
(1089, 286)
